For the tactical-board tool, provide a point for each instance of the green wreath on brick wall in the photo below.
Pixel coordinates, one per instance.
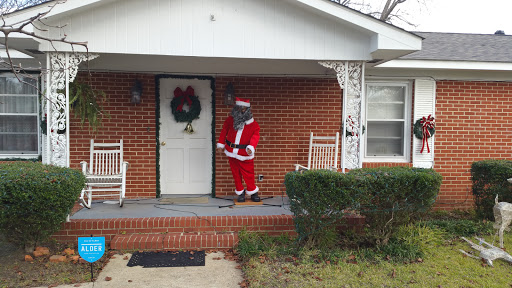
(188, 97)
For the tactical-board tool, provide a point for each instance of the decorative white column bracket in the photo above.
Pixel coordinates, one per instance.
(62, 69)
(350, 75)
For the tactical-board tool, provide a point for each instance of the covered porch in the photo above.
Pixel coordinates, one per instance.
(301, 63)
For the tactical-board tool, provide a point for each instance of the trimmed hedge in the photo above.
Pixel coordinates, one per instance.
(387, 196)
(35, 199)
(318, 199)
(489, 178)
(394, 195)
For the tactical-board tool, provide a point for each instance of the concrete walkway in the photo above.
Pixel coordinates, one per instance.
(217, 273)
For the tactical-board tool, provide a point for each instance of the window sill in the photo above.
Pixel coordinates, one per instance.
(16, 157)
(386, 160)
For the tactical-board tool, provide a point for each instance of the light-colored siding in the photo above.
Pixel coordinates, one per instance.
(271, 29)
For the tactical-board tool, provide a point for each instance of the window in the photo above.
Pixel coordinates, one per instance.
(19, 116)
(387, 137)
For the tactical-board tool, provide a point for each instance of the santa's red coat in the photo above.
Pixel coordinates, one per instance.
(248, 135)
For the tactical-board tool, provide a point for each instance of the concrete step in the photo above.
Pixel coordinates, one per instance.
(175, 241)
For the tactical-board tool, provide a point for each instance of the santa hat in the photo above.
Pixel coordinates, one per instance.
(243, 102)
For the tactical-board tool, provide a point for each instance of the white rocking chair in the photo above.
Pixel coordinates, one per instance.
(106, 172)
(323, 153)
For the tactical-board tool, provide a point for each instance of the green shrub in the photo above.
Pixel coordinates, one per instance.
(388, 197)
(35, 199)
(393, 196)
(318, 199)
(489, 179)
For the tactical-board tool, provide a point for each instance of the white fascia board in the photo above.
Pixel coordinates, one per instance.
(60, 8)
(448, 65)
(388, 36)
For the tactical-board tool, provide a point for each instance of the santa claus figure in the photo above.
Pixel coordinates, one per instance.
(238, 139)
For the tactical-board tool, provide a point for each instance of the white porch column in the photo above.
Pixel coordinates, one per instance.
(350, 75)
(61, 70)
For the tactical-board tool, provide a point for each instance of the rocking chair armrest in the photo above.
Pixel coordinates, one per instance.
(125, 168)
(298, 167)
(83, 164)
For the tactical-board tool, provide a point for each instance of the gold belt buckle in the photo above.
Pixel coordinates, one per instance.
(232, 145)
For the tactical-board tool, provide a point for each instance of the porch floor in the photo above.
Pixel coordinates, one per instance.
(144, 208)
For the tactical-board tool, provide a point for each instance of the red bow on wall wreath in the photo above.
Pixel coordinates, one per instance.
(180, 98)
(425, 128)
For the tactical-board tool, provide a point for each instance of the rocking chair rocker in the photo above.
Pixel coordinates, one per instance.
(106, 172)
(323, 153)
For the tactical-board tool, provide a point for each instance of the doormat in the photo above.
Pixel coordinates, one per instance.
(167, 259)
(185, 200)
(247, 202)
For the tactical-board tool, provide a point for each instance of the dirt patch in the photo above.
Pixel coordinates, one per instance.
(16, 272)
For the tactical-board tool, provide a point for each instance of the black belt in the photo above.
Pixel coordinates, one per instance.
(235, 145)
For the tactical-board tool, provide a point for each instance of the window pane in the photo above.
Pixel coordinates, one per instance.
(385, 111)
(21, 124)
(386, 93)
(18, 104)
(19, 120)
(11, 85)
(385, 138)
(18, 143)
(386, 102)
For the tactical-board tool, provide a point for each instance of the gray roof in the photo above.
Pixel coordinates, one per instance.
(463, 47)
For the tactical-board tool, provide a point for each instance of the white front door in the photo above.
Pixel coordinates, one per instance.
(185, 159)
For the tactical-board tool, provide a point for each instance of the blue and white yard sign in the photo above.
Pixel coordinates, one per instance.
(91, 248)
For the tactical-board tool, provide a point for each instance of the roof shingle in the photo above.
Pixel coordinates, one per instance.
(463, 47)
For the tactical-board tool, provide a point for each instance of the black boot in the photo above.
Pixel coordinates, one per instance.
(255, 197)
(241, 197)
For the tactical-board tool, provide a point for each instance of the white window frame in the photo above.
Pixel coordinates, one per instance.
(406, 158)
(37, 113)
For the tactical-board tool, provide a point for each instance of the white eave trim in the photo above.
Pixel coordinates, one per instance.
(448, 65)
(69, 5)
(390, 37)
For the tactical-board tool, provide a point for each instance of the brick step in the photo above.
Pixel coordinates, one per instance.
(174, 241)
(109, 228)
(187, 226)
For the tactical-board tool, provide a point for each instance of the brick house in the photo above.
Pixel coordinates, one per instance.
(296, 61)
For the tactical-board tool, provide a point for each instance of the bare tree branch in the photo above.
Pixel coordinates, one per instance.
(388, 10)
(22, 27)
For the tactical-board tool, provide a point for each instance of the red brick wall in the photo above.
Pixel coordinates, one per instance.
(473, 123)
(129, 122)
(286, 109)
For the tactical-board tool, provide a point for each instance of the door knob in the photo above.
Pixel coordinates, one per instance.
(163, 143)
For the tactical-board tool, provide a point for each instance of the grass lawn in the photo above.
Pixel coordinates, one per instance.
(277, 262)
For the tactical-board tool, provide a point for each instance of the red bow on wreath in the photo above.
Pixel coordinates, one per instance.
(427, 123)
(185, 96)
